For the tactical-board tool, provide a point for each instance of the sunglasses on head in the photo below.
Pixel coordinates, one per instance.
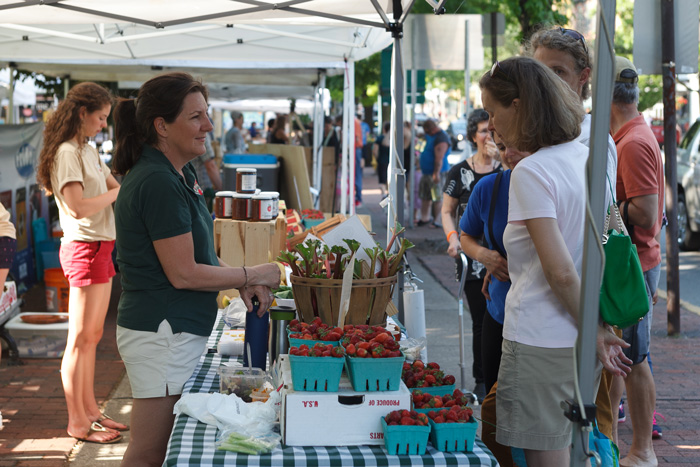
(497, 71)
(575, 35)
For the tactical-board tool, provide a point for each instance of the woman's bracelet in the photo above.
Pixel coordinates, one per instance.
(246, 276)
(450, 233)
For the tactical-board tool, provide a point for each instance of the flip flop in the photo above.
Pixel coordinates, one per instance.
(97, 428)
(421, 223)
(107, 417)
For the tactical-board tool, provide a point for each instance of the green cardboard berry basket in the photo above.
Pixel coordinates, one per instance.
(437, 390)
(320, 374)
(450, 437)
(375, 374)
(295, 342)
(405, 439)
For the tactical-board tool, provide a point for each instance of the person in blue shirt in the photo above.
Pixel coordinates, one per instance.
(434, 167)
(477, 222)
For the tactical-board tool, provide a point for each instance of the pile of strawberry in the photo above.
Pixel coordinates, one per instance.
(406, 417)
(455, 414)
(420, 375)
(318, 350)
(423, 400)
(369, 342)
(316, 331)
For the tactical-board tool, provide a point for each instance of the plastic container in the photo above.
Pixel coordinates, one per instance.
(240, 381)
(294, 342)
(267, 169)
(450, 437)
(375, 374)
(38, 340)
(57, 290)
(321, 374)
(246, 180)
(402, 440)
(256, 331)
(437, 390)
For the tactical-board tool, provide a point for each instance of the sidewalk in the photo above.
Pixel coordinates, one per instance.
(33, 407)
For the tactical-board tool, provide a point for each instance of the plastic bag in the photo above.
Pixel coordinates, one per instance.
(234, 314)
(231, 440)
(412, 347)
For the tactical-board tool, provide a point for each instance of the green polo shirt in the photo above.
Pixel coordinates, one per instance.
(155, 202)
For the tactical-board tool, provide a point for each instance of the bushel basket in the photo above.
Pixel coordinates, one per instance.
(321, 297)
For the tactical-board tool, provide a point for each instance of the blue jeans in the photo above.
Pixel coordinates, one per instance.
(639, 335)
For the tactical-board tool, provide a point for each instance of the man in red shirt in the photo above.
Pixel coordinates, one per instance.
(358, 161)
(640, 185)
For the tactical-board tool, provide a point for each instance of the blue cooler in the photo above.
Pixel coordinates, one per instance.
(267, 167)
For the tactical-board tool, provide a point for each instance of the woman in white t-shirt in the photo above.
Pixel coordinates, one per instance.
(84, 190)
(533, 110)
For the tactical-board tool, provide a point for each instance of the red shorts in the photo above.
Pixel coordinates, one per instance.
(86, 263)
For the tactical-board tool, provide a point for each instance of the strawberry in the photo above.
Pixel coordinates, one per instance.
(433, 366)
(449, 379)
(362, 353)
(337, 352)
(418, 365)
(377, 351)
(350, 349)
(407, 421)
(430, 379)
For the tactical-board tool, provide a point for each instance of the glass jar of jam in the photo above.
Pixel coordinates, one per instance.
(241, 208)
(246, 180)
(223, 203)
(262, 208)
(275, 202)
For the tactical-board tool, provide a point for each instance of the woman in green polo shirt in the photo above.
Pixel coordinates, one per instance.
(170, 273)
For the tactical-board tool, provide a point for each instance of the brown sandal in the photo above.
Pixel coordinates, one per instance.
(97, 428)
(104, 416)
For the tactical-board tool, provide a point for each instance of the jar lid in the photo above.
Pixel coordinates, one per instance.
(241, 195)
(262, 196)
(274, 194)
(223, 194)
(243, 170)
(258, 191)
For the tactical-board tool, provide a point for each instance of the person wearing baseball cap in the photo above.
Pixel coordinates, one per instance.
(640, 185)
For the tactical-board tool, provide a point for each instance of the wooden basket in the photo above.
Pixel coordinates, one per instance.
(321, 297)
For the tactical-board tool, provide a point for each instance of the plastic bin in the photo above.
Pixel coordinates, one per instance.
(405, 439)
(267, 166)
(449, 437)
(38, 340)
(321, 374)
(240, 381)
(375, 374)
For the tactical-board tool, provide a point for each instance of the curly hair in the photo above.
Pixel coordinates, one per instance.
(162, 96)
(65, 124)
(557, 38)
(477, 116)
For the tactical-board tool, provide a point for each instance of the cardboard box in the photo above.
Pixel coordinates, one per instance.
(343, 418)
(9, 296)
(39, 340)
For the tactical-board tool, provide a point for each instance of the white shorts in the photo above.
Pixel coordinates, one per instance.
(159, 363)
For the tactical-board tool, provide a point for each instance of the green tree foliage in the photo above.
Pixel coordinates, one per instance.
(367, 75)
(650, 86)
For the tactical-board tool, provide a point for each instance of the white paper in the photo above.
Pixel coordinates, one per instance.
(345, 291)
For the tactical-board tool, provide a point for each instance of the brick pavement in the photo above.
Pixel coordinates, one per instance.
(32, 402)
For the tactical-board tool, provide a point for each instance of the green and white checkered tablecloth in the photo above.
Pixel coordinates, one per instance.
(192, 442)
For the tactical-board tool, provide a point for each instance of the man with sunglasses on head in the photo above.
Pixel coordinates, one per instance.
(566, 53)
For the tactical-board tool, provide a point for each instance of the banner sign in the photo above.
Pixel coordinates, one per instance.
(20, 194)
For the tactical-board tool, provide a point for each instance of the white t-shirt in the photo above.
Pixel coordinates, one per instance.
(548, 184)
(611, 165)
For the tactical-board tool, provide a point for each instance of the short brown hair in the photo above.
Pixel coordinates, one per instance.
(549, 111)
(555, 39)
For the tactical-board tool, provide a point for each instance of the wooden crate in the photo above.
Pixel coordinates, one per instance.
(242, 243)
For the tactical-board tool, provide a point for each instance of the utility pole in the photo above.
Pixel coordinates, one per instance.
(668, 70)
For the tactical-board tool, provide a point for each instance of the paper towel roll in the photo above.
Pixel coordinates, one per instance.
(230, 347)
(414, 316)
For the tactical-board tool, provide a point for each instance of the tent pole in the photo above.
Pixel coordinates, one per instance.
(11, 97)
(345, 151)
(397, 108)
(592, 261)
(316, 146)
(351, 135)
